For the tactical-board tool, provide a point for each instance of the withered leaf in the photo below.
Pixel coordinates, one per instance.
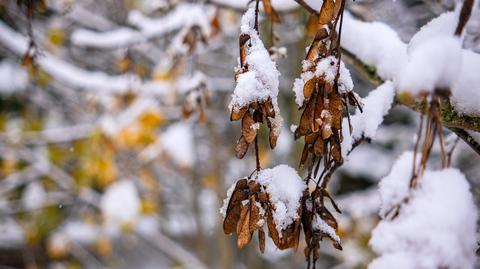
(311, 138)
(319, 147)
(308, 88)
(241, 147)
(272, 138)
(243, 230)
(234, 207)
(304, 157)
(306, 119)
(238, 113)
(269, 111)
(242, 41)
(248, 130)
(336, 150)
(335, 107)
(327, 12)
(311, 27)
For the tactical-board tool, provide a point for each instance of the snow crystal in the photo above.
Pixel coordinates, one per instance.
(285, 189)
(13, 77)
(436, 228)
(376, 106)
(120, 203)
(177, 142)
(327, 68)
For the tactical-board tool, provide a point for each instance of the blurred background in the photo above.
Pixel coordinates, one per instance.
(116, 148)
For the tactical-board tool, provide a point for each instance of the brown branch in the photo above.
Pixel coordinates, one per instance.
(464, 16)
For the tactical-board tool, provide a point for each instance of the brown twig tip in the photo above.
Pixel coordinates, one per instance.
(464, 16)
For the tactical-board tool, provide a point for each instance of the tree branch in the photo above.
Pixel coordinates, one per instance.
(452, 119)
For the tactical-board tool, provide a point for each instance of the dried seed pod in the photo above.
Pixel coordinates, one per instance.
(241, 147)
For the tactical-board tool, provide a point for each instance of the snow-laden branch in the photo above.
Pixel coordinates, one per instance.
(65, 72)
(184, 15)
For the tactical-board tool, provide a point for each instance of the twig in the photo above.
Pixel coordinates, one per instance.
(464, 16)
(467, 138)
(306, 6)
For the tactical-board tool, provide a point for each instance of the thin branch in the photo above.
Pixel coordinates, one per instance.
(306, 6)
(464, 16)
(467, 138)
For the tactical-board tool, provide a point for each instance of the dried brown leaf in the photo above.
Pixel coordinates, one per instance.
(248, 130)
(327, 12)
(241, 147)
(238, 113)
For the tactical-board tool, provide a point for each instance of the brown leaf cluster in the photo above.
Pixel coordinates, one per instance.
(253, 114)
(248, 209)
(313, 206)
(324, 105)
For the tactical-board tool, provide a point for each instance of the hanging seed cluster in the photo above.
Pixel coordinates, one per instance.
(263, 105)
(249, 208)
(326, 95)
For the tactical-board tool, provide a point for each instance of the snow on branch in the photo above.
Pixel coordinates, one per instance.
(375, 106)
(435, 225)
(433, 59)
(65, 72)
(183, 16)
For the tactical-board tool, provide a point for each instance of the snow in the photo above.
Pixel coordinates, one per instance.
(177, 142)
(375, 44)
(433, 58)
(436, 228)
(466, 90)
(318, 224)
(327, 69)
(13, 77)
(285, 189)
(184, 15)
(261, 81)
(375, 106)
(395, 187)
(120, 204)
(34, 196)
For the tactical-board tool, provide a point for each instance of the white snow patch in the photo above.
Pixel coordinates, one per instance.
(120, 204)
(177, 142)
(436, 228)
(285, 188)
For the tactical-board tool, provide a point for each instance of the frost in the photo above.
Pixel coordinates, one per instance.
(285, 189)
(120, 203)
(436, 225)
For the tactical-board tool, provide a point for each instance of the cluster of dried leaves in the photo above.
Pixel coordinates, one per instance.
(321, 126)
(252, 114)
(248, 209)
